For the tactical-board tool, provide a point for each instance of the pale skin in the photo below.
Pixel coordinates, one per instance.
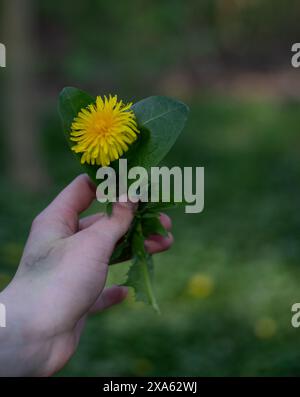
(61, 280)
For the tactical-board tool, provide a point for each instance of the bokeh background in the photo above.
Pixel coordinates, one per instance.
(227, 286)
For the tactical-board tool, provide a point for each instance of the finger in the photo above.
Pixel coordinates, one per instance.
(109, 297)
(76, 197)
(166, 221)
(117, 224)
(87, 221)
(101, 237)
(157, 243)
(122, 216)
(63, 212)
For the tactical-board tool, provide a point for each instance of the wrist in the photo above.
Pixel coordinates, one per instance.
(22, 352)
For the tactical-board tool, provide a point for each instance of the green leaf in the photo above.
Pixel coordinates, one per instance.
(121, 253)
(151, 225)
(71, 101)
(140, 275)
(160, 120)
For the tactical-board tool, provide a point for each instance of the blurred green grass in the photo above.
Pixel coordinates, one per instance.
(227, 286)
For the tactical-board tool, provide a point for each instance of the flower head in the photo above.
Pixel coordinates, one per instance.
(104, 130)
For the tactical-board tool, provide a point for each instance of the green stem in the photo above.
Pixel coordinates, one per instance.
(147, 280)
(149, 288)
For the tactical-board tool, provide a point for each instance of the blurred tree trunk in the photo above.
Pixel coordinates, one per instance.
(24, 157)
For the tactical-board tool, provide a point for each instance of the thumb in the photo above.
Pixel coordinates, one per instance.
(121, 218)
(102, 236)
(118, 222)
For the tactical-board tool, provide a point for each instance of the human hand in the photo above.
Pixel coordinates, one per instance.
(61, 280)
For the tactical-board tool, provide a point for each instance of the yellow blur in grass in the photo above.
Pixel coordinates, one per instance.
(265, 328)
(104, 131)
(200, 286)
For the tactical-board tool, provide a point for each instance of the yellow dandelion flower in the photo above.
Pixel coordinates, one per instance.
(104, 130)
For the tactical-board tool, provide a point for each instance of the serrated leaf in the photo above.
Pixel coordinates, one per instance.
(140, 275)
